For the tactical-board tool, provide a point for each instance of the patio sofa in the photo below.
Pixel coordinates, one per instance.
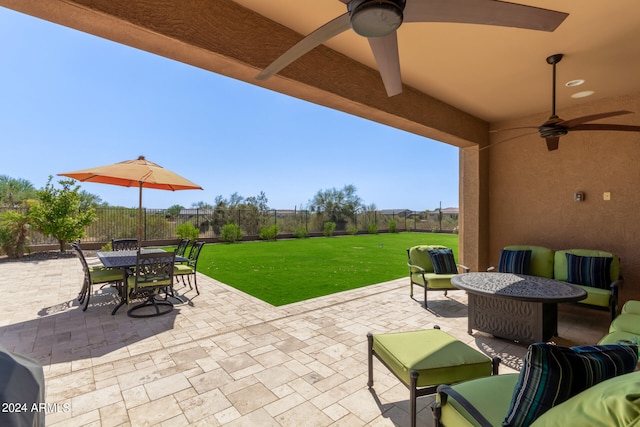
(597, 272)
(626, 326)
(558, 386)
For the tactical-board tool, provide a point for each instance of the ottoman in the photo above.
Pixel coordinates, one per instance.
(422, 360)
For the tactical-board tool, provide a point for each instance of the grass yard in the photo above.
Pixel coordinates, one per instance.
(286, 271)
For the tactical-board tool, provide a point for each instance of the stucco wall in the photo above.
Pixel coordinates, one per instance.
(531, 190)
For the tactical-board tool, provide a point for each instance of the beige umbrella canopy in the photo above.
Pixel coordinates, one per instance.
(135, 173)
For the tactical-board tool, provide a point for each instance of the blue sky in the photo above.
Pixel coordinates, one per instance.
(69, 101)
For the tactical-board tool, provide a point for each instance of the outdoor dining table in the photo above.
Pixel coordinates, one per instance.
(515, 306)
(126, 260)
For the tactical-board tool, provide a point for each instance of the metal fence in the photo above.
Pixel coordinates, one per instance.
(161, 224)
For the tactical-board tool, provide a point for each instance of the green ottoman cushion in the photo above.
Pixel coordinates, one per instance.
(614, 402)
(438, 357)
(629, 323)
(615, 336)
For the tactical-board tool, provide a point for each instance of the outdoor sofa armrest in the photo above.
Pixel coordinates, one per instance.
(444, 391)
(420, 269)
(464, 267)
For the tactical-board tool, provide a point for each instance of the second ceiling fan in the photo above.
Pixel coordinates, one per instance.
(378, 20)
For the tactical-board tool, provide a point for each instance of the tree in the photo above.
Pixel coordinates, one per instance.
(14, 227)
(175, 210)
(336, 205)
(60, 213)
(15, 191)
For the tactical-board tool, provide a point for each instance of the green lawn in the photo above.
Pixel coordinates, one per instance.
(286, 271)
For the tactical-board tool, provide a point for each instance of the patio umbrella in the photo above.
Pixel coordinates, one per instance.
(139, 173)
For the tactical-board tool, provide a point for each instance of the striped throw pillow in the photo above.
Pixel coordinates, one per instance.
(552, 374)
(516, 262)
(443, 261)
(594, 271)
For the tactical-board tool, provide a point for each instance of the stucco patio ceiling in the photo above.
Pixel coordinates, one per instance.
(459, 79)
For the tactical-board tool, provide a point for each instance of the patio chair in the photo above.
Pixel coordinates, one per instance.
(182, 247)
(189, 269)
(124, 244)
(153, 274)
(432, 267)
(94, 276)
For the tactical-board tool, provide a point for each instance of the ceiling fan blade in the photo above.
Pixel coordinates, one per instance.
(506, 140)
(507, 129)
(319, 36)
(487, 12)
(604, 126)
(580, 120)
(552, 143)
(385, 51)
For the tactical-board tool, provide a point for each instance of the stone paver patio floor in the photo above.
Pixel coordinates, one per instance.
(226, 358)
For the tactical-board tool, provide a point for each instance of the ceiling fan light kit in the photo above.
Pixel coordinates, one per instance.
(376, 18)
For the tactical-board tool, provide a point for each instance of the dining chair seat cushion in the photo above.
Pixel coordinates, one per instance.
(106, 275)
(551, 374)
(182, 269)
(149, 282)
(438, 357)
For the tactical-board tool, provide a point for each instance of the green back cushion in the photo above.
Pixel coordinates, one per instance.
(552, 374)
(443, 261)
(514, 261)
(419, 255)
(541, 263)
(614, 402)
(561, 269)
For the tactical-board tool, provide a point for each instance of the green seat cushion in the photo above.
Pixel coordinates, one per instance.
(596, 296)
(106, 275)
(626, 322)
(149, 282)
(614, 336)
(490, 396)
(435, 281)
(614, 402)
(551, 374)
(541, 262)
(438, 357)
(631, 307)
(182, 269)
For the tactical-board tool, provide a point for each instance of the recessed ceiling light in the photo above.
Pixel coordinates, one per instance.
(572, 83)
(583, 94)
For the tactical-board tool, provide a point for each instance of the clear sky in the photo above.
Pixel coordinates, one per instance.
(70, 101)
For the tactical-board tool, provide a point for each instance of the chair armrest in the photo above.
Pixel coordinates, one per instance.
(616, 284)
(492, 268)
(464, 267)
(420, 269)
(444, 391)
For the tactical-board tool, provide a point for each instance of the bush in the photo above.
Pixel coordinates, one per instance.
(14, 227)
(230, 233)
(329, 228)
(187, 231)
(300, 232)
(372, 228)
(352, 229)
(269, 232)
(393, 226)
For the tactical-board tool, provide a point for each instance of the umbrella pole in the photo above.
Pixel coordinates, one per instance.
(140, 216)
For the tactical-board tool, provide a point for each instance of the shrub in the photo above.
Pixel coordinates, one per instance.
(372, 228)
(329, 228)
(269, 232)
(14, 227)
(230, 233)
(300, 232)
(393, 226)
(352, 229)
(187, 231)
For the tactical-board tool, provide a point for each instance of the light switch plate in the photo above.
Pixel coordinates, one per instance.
(606, 195)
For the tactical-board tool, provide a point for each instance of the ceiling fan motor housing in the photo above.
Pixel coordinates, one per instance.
(552, 127)
(376, 18)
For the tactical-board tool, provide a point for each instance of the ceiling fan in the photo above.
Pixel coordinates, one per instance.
(378, 20)
(555, 127)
